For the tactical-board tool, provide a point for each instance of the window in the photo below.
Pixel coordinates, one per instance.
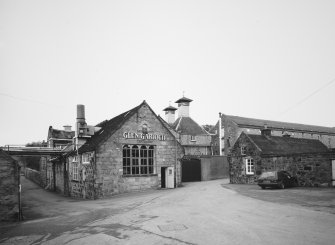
(193, 138)
(243, 150)
(86, 158)
(249, 166)
(75, 174)
(138, 160)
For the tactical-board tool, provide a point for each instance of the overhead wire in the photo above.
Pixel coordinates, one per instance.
(308, 96)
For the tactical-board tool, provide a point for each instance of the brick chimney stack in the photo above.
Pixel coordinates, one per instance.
(266, 131)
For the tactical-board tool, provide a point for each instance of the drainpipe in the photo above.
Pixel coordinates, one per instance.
(220, 143)
(19, 191)
(175, 140)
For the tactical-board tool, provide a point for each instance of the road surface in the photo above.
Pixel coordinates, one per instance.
(198, 213)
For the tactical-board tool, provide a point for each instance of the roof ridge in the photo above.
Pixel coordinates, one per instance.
(280, 124)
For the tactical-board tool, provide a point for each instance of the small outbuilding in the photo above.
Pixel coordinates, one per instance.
(310, 160)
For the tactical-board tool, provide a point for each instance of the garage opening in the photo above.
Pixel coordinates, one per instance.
(191, 170)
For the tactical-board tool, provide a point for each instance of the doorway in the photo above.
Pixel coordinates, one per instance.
(163, 169)
(191, 170)
(167, 177)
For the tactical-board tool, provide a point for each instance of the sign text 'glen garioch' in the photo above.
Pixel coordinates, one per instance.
(131, 135)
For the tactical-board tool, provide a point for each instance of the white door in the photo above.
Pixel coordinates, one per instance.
(169, 175)
(333, 171)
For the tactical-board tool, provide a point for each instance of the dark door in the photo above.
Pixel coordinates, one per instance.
(163, 177)
(191, 170)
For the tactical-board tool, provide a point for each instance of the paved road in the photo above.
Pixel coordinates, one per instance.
(198, 213)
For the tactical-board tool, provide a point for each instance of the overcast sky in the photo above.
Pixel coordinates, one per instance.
(263, 59)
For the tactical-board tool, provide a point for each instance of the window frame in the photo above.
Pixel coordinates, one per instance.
(243, 150)
(249, 166)
(138, 160)
(193, 139)
(85, 158)
(75, 169)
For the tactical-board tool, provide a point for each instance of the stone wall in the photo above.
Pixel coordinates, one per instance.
(86, 186)
(43, 170)
(110, 178)
(8, 189)
(310, 169)
(33, 175)
(59, 172)
(214, 167)
(104, 177)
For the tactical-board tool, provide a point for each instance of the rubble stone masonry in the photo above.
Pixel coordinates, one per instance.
(8, 189)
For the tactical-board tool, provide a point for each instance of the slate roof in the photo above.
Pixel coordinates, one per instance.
(5, 157)
(170, 108)
(108, 127)
(186, 125)
(183, 99)
(60, 134)
(276, 145)
(259, 123)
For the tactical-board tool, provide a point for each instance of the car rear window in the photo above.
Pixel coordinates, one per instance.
(268, 174)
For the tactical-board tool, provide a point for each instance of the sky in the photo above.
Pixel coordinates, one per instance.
(265, 59)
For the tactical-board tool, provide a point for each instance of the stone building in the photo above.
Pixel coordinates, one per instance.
(308, 159)
(9, 187)
(131, 152)
(198, 162)
(60, 138)
(193, 137)
(233, 126)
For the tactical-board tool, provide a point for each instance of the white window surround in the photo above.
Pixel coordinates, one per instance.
(75, 168)
(249, 166)
(75, 171)
(86, 158)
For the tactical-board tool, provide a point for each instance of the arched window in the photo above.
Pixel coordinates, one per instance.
(138, 160)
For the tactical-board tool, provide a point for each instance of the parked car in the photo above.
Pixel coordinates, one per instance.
(278, 179)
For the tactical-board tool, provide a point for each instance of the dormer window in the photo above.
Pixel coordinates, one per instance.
(193, 138)
(243, 150)
(86, 158)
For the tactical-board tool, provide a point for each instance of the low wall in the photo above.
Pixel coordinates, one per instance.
(33, 175)
(214, 167)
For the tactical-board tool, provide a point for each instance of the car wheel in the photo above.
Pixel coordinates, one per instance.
(282, 186)
(263, 187)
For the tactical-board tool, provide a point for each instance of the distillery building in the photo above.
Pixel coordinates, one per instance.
(198, 163)
(131, 152)
(232, 126)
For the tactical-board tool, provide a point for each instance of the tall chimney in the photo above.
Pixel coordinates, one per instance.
(81, 126)
(184, 107)
(80, 113)
(266, 131)
(170, 114)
